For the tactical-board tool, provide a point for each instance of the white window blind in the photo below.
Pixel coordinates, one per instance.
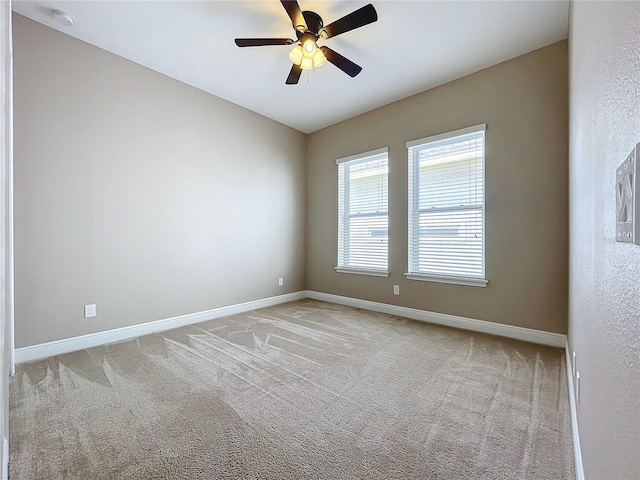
(446, 206)
(363, 223)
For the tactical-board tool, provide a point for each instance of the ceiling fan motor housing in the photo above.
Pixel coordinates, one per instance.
(314, 23)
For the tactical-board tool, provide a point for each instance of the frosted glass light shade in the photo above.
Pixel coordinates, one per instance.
(309, 48)
(319, 58)
(306, 63)
(296, 55)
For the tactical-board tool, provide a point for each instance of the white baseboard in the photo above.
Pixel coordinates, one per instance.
(510, 331)
(577, 453)
(5, 458)
(58, 347)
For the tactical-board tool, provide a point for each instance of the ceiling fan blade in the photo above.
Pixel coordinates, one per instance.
(361, 17)
(343, 63)
(294, 75)
(295, 14)
(259, 42)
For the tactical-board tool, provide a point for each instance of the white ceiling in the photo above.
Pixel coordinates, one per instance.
(414, 46)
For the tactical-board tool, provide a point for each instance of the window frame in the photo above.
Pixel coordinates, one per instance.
(413, 196)
(348, 161)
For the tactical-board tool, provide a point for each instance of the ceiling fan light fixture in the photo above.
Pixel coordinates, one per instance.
(309, 47)
(309, 28)
(319, 58)
(306, 63)
(296, 55)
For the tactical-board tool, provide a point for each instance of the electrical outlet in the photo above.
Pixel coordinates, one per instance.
(577, 387)
(396, 289)
(573, 364)
(280, 281)
(90, 311)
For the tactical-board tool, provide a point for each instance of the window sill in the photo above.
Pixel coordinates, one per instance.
(470, 282)
(373, 273)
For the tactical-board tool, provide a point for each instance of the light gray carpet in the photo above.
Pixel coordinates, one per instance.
(302, 390)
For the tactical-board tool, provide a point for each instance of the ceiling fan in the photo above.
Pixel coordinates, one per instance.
(309, 29)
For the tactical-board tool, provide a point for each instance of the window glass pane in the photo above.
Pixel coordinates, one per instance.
(451, 185)
(363, 212)
(368, 242)
(446, 206)
(451, 242)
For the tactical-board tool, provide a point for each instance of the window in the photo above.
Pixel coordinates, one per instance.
(446, 207)
(363, 221)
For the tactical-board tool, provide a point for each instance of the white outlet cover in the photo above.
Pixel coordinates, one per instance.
(90, 310)
(396, 289)
(281, 281)
(628, 199)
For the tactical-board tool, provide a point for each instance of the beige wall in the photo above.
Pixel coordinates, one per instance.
(141, 194)
(524, 104)
(604, 299)
(136, 192)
